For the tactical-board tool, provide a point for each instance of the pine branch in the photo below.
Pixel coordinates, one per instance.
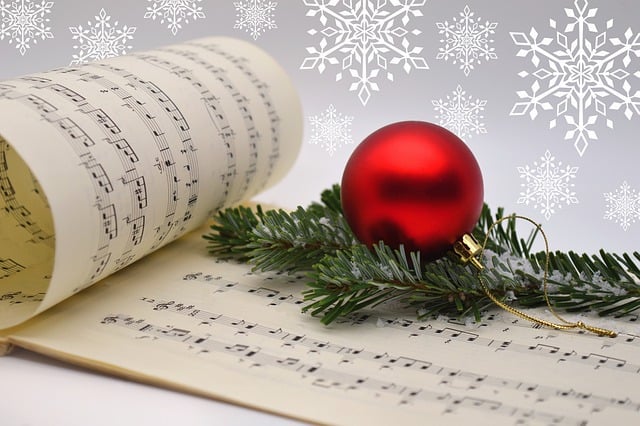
(233, 231)
(346, 276)
(330, 200)
(356, 278)
(277, 240)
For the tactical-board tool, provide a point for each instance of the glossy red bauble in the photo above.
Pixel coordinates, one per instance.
(412, 183)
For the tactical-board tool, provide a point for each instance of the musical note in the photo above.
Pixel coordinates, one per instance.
(598, 361)
(264, 292)
(104, 120)
(100, 263)
(455, 334)
(99, 176)
(137, 229)
(109, 221)
(544, 348)
(138, 191)
(409, 363)
(9, 267)
(5, 184)
(125, 150)
(66, 92)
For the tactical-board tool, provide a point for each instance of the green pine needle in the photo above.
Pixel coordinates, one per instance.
(277, 240)
(346, 276)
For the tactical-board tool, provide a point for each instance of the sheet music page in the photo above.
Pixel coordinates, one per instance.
(103, 163)
(182, 319)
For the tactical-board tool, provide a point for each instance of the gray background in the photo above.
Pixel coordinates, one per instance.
(509, 142)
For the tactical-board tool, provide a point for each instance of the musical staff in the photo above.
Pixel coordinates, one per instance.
(263, 88)
(11, 203)
(20, 298)
(181, 125)
(446, 334)
(338, 377)
(243, 106)
(126, 153)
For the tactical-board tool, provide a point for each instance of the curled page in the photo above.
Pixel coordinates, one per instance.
(103, 163)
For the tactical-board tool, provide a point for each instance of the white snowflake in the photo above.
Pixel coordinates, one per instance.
(101, 39)
(24, 22)
(547, 185)
(466, 40)
(364, 38)
(174, 12)
(461, 114)
(623, 205)
(583, 78)
(255, 16)
(331, 130)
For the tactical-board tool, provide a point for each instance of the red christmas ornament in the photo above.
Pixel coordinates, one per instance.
(412, 183)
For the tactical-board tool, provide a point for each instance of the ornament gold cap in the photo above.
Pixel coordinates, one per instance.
(467, 248)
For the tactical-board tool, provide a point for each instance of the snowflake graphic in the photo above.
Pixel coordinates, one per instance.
(461, 114)
(582, 78)
(623, 205)
(466, 41)
(364, 38)
(101, 39)
(174, 12)
(547, 185)
(24, 22)
(331, 130)
(255, 16)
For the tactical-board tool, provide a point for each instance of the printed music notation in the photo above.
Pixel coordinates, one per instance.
(251, 323)
(457, 331)
(448, 333)
(129, 142)
(9, 267)
(452, 383)
(321, 376)
(18, 297)
(10, 200)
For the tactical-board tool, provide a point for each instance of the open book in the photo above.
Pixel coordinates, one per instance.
(108, 172)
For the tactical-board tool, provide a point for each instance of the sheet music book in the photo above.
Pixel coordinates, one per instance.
(108, 172)
(122, 156)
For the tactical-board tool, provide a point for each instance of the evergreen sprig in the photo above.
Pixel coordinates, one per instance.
(346, 276)
(277, 240)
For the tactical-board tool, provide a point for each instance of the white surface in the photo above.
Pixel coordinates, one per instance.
(41, 391)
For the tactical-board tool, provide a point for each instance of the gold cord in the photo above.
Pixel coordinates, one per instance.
(565, 325)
